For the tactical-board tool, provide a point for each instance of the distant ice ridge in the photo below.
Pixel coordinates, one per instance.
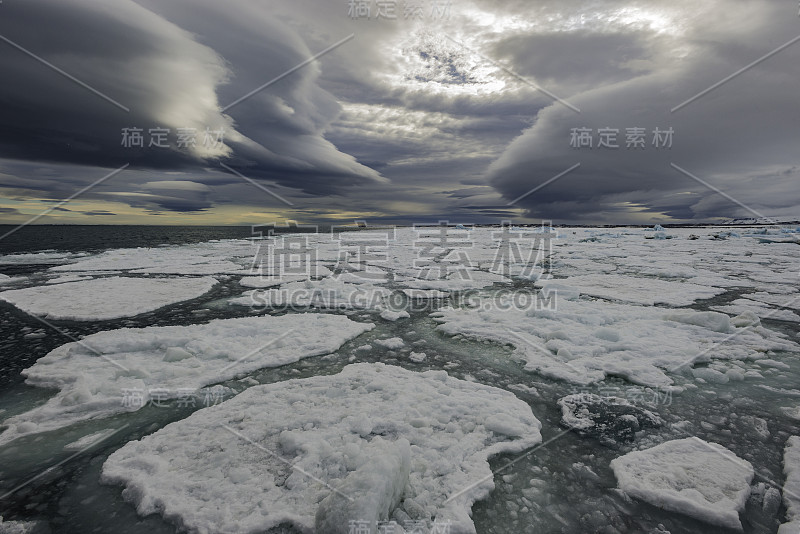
(372, 443)
(791, 488)
(97, 374)
(106, 298)
(689, 476)
(583, 341)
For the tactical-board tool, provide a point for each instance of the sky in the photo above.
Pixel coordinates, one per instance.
(406, 112)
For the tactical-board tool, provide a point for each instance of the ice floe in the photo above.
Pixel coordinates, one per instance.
(215, 257)
(106, 298)
(97, 375)
(689, 476)
(791, 487)
(637, 289)
(372, 443)
(325, 293)
(583, 341)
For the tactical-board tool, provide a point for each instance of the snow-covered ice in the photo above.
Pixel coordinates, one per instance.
(791, 487)
(636, 289)
(95, 375)
(393, 343)
(216, 257)
(106, 298)
(23, 527)
(326, 293)
(690, 476)
(417, 357)
(396, 443)
(394, 315)
(583, 341)
(762, 309)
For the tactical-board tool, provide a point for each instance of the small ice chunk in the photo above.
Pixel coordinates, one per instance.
(87, 441)
(747, 318)
(393, 315)
(690, 476)
(611, 419)
(710, 375)
(393, 343)
(417, 357)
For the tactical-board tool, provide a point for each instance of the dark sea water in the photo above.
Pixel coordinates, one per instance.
(93, 238)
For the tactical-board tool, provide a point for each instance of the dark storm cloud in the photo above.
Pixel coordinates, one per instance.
(159, 70)
(738, 138)
(457, 136)
(96, 213)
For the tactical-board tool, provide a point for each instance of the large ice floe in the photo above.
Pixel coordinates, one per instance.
(373, 443)
(791, 487)
(214, 257)
(94, 375)
(690, 476)
(106, 298)
(329, 293)
(583, 341)
(636, 289)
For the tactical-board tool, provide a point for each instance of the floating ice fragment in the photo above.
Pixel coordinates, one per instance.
(690, 476)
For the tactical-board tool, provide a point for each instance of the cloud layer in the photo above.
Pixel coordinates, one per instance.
(448, 116)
